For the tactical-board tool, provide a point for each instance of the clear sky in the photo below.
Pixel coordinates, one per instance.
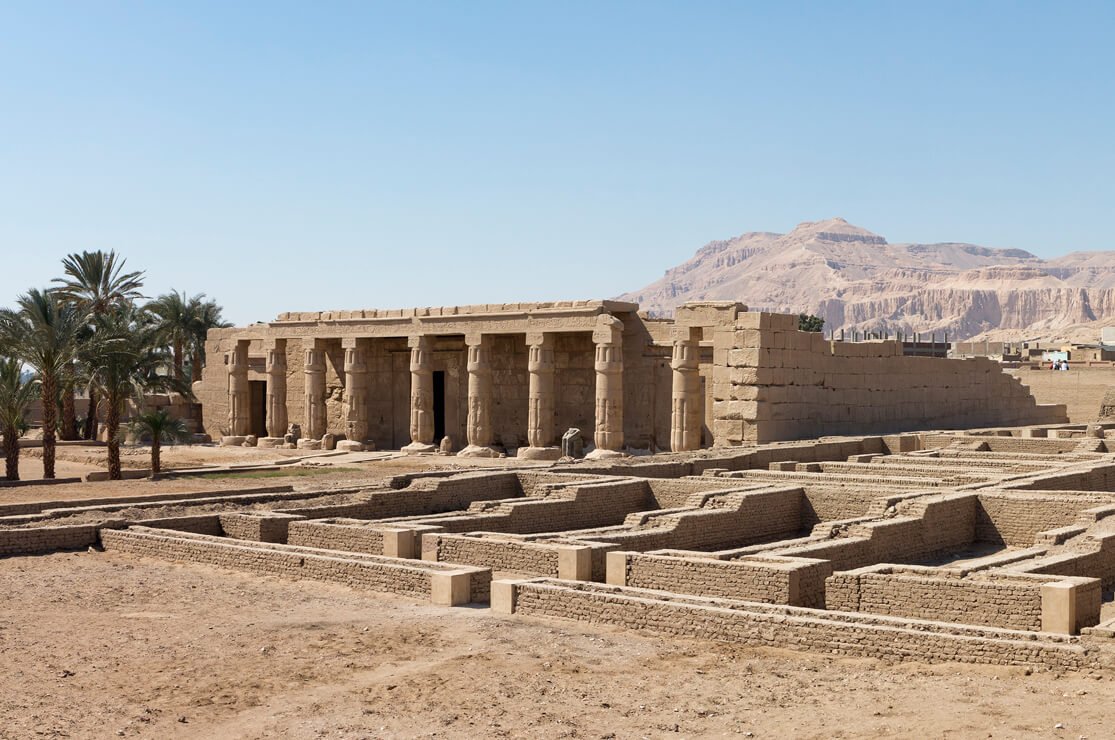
(312, 155)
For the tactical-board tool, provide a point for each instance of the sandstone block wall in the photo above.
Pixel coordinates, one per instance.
(772, 382)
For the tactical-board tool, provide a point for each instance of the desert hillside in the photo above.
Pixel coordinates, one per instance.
(855, 279)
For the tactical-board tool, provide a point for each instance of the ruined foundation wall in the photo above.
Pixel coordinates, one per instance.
(819, 632)
(773, 580)
(1015, 519)
(924, 593)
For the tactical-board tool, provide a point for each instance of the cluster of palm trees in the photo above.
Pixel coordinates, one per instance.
(90, 332)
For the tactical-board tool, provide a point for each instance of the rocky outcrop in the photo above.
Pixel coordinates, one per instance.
(856, 280)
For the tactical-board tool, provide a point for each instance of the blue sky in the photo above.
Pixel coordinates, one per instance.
(284, 156)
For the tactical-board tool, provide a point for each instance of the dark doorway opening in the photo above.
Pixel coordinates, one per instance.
(439, 406)
(257, 390)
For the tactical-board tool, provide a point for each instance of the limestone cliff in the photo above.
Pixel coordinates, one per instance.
(855, 279)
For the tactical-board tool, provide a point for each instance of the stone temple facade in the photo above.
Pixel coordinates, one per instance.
(514, 377)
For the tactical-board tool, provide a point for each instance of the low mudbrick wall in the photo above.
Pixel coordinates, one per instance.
(763, 625)
(441, 583)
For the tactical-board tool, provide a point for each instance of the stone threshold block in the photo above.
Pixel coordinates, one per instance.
(540, 453)
(478, 451)
(419, 448)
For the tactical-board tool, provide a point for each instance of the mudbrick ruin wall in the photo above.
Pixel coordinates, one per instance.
(990, 546)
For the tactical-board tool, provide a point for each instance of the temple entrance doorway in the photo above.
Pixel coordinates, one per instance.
(439, 406)
(257, 404)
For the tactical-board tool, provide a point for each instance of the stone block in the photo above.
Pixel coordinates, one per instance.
(574, 563)
(616, 567)
(399, 543)
(503, 597)
(451, 588)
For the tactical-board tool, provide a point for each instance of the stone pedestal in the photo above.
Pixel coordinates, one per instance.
(421, 397)
(233, 440)
(314, 367)
(478, 428)
(608, 337)
(239, 397)
(685, 403)
(270, 442)
(540, 412)
(347, 445)
(356, 391)
(276, 368)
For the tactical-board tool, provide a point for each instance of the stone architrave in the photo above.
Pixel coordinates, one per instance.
(421, 396)
(478, 428)
(356, 393)
(275, 368)
(314, 367)
(239, 398)
(685, 403)
(608, 338)
(540, 411)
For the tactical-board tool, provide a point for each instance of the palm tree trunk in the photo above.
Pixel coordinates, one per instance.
(113, 423)
(50, 418)
(178, 359)
(195, 368)
(69, 414)
(11, 453)
(155, 450)
(90, 431)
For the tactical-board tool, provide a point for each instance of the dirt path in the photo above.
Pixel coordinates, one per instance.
(105, 645)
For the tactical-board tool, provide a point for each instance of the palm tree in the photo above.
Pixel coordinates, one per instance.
(178, 318)
(125, 359)
(16, 393)
(160, 427)
(96, 282)
(43, 333)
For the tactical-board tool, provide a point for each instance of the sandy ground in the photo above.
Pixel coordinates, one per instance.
(101, 645)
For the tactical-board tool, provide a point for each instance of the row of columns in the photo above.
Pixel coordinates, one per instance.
(686, 414)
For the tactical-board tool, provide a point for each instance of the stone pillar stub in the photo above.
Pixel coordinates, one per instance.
(356, 392)
(540, 411)
(421, 395)
(478, 429)
(685, 402)
(313, 365)
(276, 369)
(239, 398)
(608, 338)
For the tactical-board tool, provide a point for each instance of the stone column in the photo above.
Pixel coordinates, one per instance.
(239, 397)
(608, 338)
(314, 366)
(276, 394)
(478, 428)
(685, 405)
(421, 396)
(356, 395)
(540, 412)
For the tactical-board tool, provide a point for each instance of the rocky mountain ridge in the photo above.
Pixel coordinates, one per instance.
(855, 279)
